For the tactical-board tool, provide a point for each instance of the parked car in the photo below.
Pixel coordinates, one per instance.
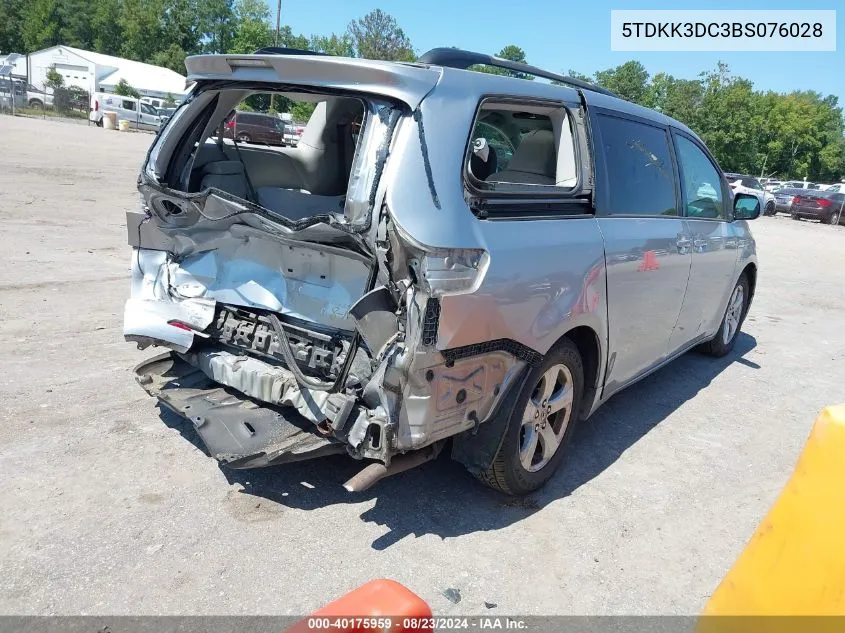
(743, 183)
(140, 115)
(389, 285)
(164, 114)
(771, 185)
(784, 197)
(255, 127)
(835, 187)
(825, 206)
(37, 98)
(293, 133)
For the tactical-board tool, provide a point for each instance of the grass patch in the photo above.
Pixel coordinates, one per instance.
(49, 112)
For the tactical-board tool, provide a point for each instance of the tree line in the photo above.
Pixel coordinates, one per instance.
(794, 135)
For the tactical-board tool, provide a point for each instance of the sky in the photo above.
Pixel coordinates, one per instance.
(559, 35)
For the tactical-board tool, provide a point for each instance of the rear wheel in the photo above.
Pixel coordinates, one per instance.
(832, 218)
(35, 103)
(542, 424)
(244, 138)
(725, 338)
(770, 208)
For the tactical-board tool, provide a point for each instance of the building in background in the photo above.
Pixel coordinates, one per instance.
(95, 72)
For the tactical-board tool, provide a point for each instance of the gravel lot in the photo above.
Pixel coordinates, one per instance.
(109, 508)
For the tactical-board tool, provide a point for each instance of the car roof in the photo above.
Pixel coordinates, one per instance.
(409, 82)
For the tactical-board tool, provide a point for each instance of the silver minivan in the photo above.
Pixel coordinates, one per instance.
(447, 259)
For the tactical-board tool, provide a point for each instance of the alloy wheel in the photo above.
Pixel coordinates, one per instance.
(734, 314)
(547, 415)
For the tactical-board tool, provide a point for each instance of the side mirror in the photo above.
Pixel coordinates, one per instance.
(746, 207)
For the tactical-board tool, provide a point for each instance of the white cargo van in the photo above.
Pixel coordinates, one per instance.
(140, 115)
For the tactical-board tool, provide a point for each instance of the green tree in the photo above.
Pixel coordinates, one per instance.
(252, 26)
(378, 36)
(40, 25)
(511, 53)
(125, 89)
(341, 46)
(105, 23)
(288, 39)
(12, 13)
(141, 25)
(54, 79)
(173, 57)
(75, 23)
(216, 19)
(629, 81)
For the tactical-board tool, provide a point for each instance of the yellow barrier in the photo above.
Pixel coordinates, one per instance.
(795, 563)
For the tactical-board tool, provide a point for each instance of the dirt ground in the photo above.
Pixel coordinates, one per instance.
(110, 508)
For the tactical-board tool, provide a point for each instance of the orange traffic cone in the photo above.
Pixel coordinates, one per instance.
(649, 262)
(379, 605)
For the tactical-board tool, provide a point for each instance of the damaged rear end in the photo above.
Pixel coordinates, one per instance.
(298, 319)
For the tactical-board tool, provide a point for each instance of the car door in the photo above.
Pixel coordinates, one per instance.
(647, 248)
(148, 117)
(129, 111)
(715, 242)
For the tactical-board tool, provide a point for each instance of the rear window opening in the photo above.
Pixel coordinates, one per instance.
(291, 153)
(522, 146)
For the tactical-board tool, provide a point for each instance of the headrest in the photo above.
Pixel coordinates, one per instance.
(535, 154)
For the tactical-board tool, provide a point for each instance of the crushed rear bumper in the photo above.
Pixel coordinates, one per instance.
(237, 431)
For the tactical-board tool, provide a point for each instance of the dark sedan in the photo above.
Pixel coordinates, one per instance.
(819, 205)
(784, 197)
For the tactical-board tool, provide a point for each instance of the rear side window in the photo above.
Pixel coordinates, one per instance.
(522, 147)
(640, 177)
(751, 183)
(700, 182)
(128, 105)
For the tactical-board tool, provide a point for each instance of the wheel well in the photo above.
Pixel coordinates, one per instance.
(587, 342)
(750, 271)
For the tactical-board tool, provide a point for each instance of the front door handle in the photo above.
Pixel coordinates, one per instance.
(683, 243)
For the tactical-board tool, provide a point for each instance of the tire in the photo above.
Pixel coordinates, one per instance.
(508, 473)
(794, 216)
(770, 209)
(831, 219)
(100, 123)
(725, 339)
(35, 103)
(244, 138)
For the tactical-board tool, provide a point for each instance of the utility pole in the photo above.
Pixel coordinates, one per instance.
(276, 43)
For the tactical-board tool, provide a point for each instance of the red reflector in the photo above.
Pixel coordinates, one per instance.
(824, 202)
(180, 325)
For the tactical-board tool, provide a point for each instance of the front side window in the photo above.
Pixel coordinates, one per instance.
(522, 147)
(640, 178)
(148, 109)
(700, 182)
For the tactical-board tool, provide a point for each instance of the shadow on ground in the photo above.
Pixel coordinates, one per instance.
(441, 498)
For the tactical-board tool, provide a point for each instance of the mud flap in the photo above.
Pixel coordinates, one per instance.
(238, 431)
(476, 449)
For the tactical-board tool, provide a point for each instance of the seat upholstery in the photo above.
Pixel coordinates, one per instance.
(226, 175)
(534, 161)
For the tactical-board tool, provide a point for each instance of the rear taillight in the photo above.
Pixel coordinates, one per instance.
(96, 105)
(824, 203)
(230, 125)
(796, 199)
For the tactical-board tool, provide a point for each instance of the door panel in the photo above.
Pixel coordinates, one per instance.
(648, 265)
(647, 247)
(715, 249)
(714, 261)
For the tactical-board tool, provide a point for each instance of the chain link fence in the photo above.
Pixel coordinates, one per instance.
(19, 98)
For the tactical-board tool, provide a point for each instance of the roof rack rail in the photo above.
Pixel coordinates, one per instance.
(457, 58)
(281, 50)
